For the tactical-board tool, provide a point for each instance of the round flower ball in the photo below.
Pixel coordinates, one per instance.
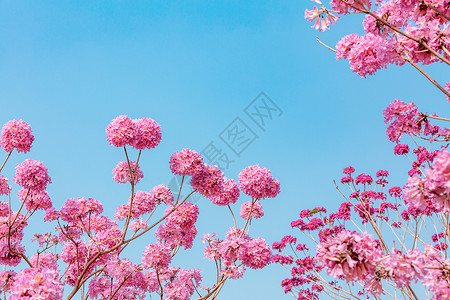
(16, 134)
(149, 134)
(258, 183)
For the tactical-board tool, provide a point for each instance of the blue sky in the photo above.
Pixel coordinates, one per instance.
(69, 67)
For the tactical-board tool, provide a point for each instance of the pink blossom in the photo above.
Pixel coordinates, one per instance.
(401, 149)
(4, 187)
(349, 170)
(257, 254)
(209, 181)
(123, 174)
(255, 208)
(161, 193)
(35, 199)
(258, 183)
(32, 174)
(75, 209)
(349, 255)
(122, 131)
(149, 134)
(37, 283)
(138, 225)
(156, 256)
(186, 162)
(228, 194)
(16, 134)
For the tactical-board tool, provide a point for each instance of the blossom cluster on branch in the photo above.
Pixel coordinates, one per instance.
(84, 255)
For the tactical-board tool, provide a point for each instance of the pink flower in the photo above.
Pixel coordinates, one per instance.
(37, 283)
(32, 174)
(123, 174)
(16, 134)
(401, 149)
(122, 131)
(186, 162)
(35, 199)
(258, 183)
(161, 193)
(229, 193)
(4, 187)
(77, 208)
(349, 170)
(257, 254)
(149, 134)
(256, 210)
(402, 119)
(349, 255)
(156, 256)
(138, 225)
(209, 181)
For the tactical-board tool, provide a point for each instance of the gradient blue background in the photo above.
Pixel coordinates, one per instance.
(69, 67)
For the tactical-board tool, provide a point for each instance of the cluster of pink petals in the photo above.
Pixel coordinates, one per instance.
(251, 209)
(123, 173)
(4, 187)
(208, 181)
(350, 255)
(145, 202)
(35, 199)
(32, 174)
(179, 227)
(140, 134)
(16, 134)
(229, 193)
(238, 246)
(183, 286)
(37, 283)
(75, 209)
(162, 194)
(402, 119)
(156, 256)
(347, 6)
(434, 189)
(258, 183)
(186, 162)
(322, 18)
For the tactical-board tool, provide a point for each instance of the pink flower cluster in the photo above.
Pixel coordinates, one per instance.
(91, 243)
(140, 134)
(16, 134)
(432, 190)
(125, 172)
(237, 246)
(258, 183)
(349, 255)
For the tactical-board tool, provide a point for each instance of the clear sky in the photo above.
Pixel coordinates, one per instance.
(69, 67)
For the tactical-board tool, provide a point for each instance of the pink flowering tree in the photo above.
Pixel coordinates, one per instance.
(384, 241)
(83, 256)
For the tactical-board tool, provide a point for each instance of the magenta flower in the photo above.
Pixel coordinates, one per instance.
(229, 193)
(186, 162)
(156, 256)
(256, 210)
(4, 187)
(149, 134)
(349, 255)
(123, 174)
(161, 193)
(37, 283)
(258, 183)
(16, 134)
(209, 181)
(257, 254)
(122, 131)
(32, 174)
